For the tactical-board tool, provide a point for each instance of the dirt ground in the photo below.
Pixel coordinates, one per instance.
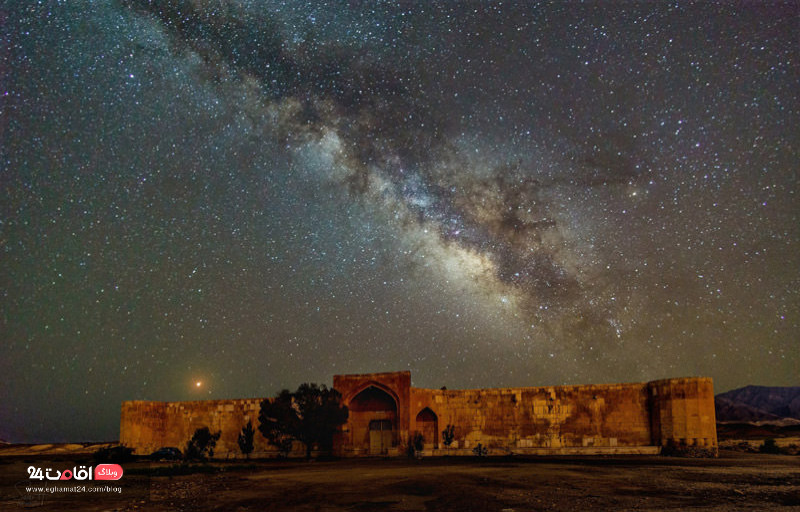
(734, 481)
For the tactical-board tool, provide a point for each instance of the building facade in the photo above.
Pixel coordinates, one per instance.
(386, 411)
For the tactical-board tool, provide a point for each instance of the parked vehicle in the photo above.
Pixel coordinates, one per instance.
(166, 453)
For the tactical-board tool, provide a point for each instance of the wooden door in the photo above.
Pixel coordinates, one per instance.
(380, 436)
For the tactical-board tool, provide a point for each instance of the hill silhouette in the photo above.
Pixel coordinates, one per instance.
(759, 404)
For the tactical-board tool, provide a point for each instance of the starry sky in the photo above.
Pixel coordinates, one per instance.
(254, 194)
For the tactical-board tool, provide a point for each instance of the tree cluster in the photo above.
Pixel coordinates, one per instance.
(202, 444)
(310, 415)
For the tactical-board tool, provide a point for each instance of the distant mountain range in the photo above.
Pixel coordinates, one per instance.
(759, 404)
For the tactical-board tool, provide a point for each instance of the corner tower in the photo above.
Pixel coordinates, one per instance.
(682, 416)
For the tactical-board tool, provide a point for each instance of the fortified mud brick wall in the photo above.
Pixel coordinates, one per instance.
(142, 426)
(148, 426)
(676, 414)
(566, 419)
(683, 417)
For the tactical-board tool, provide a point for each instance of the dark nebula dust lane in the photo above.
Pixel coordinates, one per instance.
(254, 194)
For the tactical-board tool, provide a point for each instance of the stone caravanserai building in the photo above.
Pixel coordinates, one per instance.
(385, 411)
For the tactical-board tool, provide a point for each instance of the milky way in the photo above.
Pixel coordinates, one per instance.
(258, 194)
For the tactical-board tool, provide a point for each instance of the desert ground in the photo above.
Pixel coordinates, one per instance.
(734, 481)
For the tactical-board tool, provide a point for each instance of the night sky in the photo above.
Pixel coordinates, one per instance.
(255, 194)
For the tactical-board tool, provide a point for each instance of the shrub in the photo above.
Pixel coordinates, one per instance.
(415, 444)
(769, 446)
(480, 451)
(449, 435)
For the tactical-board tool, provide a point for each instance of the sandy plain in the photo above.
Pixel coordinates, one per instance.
(734, 481)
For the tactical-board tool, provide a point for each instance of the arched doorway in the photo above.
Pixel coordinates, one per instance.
(373, 420)
(428, 426)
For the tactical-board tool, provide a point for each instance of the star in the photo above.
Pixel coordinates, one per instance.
(290, 190)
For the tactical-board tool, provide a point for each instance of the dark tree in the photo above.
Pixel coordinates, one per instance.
(246, 439)
(769, 446)
(310, 415)
(416, 442)
(448, 435)
(202, 443)
(277, 421)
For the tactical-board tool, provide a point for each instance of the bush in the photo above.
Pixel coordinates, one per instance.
(480, 451)
(448, 435)
(769, 446)
(415, 444)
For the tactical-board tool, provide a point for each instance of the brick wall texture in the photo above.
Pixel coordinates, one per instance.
(385, 411)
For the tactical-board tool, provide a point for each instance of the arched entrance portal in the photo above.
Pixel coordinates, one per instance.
(373, 420)
(428, 426)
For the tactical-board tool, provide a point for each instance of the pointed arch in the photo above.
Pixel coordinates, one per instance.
(373, 418)
(427, 423)
(373, 398)
(372, 384)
